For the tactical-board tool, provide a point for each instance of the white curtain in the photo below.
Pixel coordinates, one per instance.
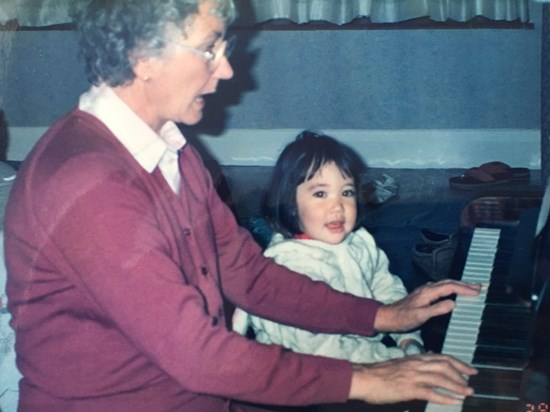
(49, 12)
(384, 11)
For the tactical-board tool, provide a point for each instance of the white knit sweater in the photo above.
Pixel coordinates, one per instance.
(356, 266)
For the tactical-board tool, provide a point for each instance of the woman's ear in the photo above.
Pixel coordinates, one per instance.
(143, 69)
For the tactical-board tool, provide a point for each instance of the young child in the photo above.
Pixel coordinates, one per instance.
(312, 205)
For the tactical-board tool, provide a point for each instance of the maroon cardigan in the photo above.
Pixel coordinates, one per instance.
(115, 284)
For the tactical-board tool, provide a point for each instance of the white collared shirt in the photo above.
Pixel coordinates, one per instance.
(144, 144)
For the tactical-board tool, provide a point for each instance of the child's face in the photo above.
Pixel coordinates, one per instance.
(327, 205)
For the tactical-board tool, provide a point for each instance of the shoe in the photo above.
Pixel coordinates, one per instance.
(433, 261)
(438, 239)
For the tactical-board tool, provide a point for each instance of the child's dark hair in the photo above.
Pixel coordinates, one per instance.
(298, 162)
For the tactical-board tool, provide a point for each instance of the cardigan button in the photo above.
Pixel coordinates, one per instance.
(204, 270)
(214, 321)
(186, 232)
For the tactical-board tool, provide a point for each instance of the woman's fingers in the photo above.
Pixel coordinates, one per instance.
(421, 305)
(431, 377)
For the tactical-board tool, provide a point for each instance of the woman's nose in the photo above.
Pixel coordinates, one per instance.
(224, 70)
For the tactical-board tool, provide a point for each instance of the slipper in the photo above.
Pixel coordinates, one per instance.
(518, 173)
(478, 178)
(489, 174)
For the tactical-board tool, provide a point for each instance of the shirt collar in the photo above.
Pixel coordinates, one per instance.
(143, 143)
(302, 236)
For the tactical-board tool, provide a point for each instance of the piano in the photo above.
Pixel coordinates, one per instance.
(496, 331)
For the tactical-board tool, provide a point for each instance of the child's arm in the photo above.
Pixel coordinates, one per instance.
(411, 347)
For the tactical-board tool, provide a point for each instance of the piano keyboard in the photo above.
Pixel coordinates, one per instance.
(494, 346)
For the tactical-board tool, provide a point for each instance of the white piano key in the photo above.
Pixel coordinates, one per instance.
(466, 318)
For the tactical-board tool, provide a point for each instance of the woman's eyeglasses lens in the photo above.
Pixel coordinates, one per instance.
(213, 58)
(224, 50)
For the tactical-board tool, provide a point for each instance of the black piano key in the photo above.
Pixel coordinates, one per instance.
(501, 294)
(502, 357)
(506, 329)
(497, 382)
(507, 319)
(505, 326)
(473, 404)
(496, 310)
(501, 339)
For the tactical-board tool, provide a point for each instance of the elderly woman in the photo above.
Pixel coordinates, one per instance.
(120, 252)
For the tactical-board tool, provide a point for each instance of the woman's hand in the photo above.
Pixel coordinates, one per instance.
(422, 304)
(430, 377)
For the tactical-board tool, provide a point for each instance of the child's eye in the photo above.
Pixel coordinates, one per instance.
(319, 194)
(349, 193)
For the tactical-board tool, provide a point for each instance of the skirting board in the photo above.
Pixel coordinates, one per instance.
(414, 149)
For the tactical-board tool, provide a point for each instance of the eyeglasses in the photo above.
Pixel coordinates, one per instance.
(214, 57)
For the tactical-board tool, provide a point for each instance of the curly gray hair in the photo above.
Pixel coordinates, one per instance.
(114, 33)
